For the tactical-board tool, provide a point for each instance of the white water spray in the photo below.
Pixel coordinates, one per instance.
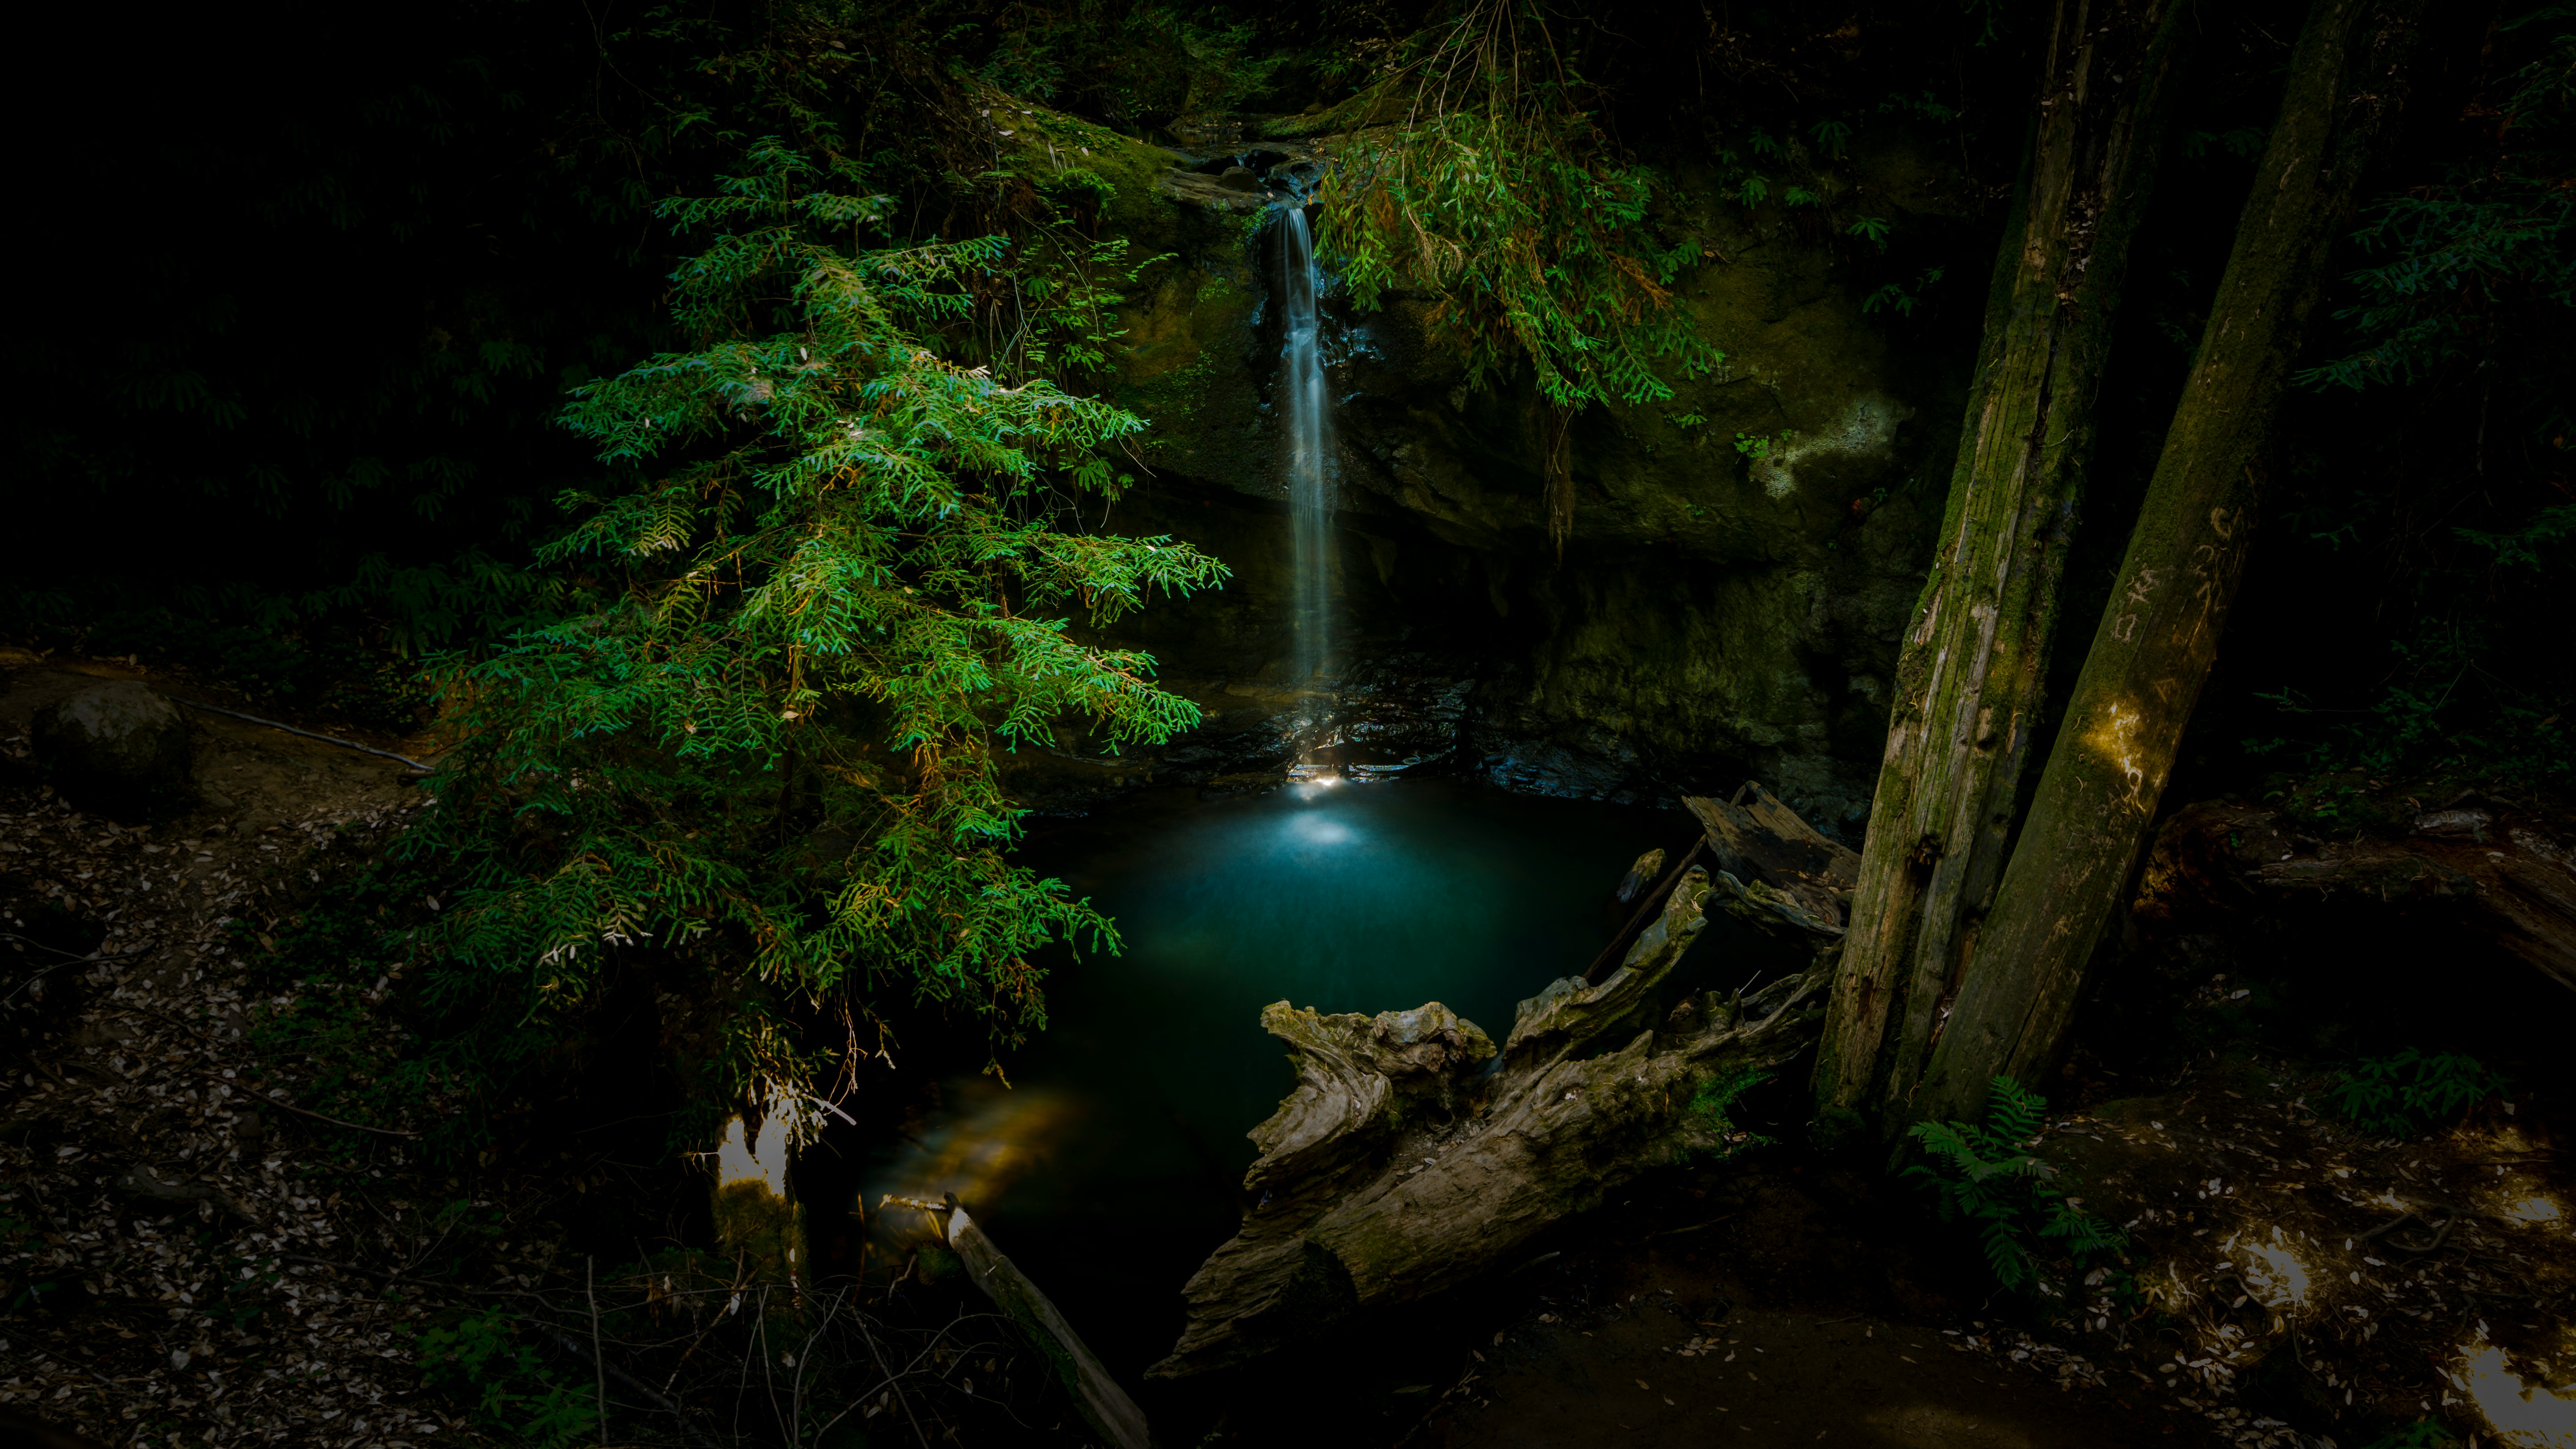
(1310, 468)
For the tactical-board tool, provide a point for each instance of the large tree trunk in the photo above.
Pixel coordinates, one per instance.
(1401, 1165)
(2159, 636)
(1969, 682)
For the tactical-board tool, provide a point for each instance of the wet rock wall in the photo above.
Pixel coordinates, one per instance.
(1743, 559)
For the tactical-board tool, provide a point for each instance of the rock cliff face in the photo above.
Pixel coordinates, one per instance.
(1743, 556)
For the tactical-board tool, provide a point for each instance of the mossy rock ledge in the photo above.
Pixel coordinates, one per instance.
(1717, 609)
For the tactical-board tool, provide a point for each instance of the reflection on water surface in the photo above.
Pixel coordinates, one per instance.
(1118, 1152)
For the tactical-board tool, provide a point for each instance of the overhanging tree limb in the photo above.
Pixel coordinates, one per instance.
(2159, 635)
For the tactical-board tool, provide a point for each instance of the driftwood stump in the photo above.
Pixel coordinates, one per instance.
(1414, 1155)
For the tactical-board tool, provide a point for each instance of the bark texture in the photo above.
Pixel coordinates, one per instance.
(1756, 838)
(2159, 636)
(1969, 680)
(1402, 1165)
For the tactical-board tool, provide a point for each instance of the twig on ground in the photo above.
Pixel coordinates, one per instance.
(69, 960)
(392, 1277)
(891, 1386)
(598, 1363)
(805, 1356)
(254, 1092)
(308, 734)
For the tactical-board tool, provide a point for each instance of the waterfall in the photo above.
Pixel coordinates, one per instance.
(1310, 467)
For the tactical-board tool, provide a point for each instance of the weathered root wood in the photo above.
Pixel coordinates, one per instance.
(1639, 876)
(1756, 838)
(1404, 1164)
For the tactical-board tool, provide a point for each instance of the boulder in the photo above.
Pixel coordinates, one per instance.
(119, 748)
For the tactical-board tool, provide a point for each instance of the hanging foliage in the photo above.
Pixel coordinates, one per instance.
(1500, 196)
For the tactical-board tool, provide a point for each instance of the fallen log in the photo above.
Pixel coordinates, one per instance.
(144, 1180)
(1096, 1395)
(1104, 1405)
(1414, 1154)
(2498, 874)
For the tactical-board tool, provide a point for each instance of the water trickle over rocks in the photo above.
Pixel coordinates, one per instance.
(1743, 558)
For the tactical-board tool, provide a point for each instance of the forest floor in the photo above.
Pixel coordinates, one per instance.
(165, 1237)
(1791, 1300)
(188, 1252)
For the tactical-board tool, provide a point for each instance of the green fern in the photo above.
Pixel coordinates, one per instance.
(1986, 1177)
(482, 1359)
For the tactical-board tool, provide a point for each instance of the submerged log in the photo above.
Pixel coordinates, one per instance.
(1414, 1155)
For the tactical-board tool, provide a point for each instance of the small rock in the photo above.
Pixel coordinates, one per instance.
(119, 748)
(1238, 178)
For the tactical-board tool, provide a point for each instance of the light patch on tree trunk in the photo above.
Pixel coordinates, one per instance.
(756, 1213)
(2158, 638)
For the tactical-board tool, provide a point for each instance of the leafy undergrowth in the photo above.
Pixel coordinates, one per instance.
(2034, 1236)
(2409, 1091)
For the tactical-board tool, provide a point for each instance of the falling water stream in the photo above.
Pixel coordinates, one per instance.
(1310, 472)
(1111, 1162)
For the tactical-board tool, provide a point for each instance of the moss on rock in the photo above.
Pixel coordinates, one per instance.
(1716, 603)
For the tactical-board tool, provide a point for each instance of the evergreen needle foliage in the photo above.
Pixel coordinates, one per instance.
(2464, 313)
(1987, 1176)
(832, 587)
(1501, 197)
(2465, 264)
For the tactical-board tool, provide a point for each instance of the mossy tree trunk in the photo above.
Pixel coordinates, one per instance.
(2159, 636)
(1969, 681)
